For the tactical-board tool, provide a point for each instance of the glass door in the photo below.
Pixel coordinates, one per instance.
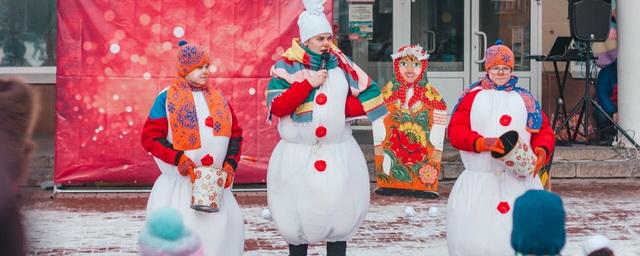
(373, 51)
(515, 22)
(440, 26)
(454, 32)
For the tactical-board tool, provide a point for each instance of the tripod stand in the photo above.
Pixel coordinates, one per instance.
(584, 105)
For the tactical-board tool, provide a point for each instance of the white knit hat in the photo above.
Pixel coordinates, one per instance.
(312, 20)
(594, 243)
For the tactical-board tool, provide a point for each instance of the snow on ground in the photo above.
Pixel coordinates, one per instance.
(610, 208)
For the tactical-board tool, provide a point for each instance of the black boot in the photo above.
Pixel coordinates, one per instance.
(607, 136)
(298, 250)
(606, 130)
(337, 248)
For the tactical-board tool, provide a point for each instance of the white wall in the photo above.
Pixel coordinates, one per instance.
(628, 68)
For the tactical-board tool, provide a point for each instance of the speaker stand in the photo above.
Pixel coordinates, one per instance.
(584, 106)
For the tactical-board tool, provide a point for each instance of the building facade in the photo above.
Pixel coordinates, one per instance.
(454, 32)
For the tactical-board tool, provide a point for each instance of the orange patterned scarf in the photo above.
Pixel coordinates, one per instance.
(183, 116)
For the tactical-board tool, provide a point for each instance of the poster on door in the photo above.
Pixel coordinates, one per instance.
(360, 21)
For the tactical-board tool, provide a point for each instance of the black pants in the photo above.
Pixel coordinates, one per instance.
(333, 249)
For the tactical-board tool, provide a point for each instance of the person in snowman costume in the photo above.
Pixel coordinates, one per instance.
(479, 211)
(191, 124)
(317, 180)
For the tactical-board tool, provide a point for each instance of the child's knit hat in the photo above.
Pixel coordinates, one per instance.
(596, 245)
(190, 57)
(165, 234)
(538, 223)
(498, 54)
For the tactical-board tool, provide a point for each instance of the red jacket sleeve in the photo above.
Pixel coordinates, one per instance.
(155, 131)
(544, 138)
(287, 102)
(235, 142)
(459, 132)
(154, 140)
(354, 107)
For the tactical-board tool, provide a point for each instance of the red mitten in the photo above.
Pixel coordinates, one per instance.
(186, 166)
(489, 144)
(229, 170)
(542, 158)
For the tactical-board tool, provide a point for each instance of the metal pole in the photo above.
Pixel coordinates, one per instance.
(57, 189)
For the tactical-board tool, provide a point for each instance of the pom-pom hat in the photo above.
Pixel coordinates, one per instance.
(165, 234)
(498, 54)
(312, 20)
(190, 57)
(538, 223)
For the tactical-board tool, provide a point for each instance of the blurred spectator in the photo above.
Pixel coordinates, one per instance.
(166, 235)
(597, 245)
(12, 240)
(607, 83)
(538, 224)
(607, 96)
(18, 118)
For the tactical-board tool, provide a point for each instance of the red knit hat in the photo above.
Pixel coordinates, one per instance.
(190, 57)
(498, 54)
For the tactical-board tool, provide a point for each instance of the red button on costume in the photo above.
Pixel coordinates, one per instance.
(320, 165)
(321, 99)
(505, 120)
(503, 207)
(321, 131)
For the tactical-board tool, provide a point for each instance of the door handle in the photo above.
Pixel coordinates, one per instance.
(484, 45)
(433, 41)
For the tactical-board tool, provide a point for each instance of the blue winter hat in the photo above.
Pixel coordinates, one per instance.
(165, 234)
(538, 223)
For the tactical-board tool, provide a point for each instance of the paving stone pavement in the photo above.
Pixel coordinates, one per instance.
(108, 224)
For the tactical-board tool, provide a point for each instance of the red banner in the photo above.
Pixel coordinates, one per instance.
(114, 57)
